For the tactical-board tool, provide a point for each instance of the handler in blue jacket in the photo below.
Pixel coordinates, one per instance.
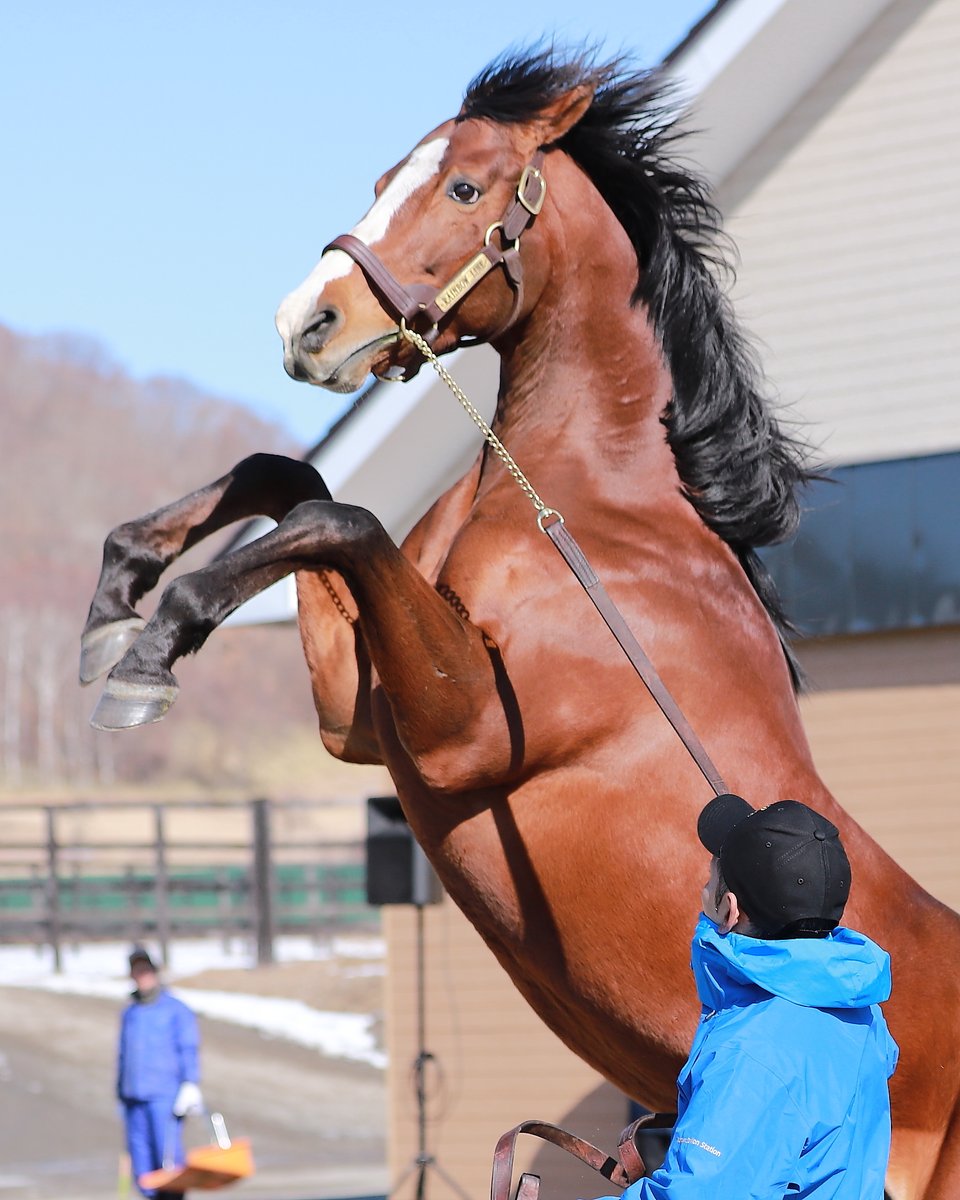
(157, 1070)
(785, 1090)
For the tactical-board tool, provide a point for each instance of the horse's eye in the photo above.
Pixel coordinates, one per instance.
(464, 192)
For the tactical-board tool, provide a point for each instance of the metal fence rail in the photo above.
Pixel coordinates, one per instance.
(59, 887)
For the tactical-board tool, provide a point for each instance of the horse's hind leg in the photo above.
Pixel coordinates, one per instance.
(136, 553)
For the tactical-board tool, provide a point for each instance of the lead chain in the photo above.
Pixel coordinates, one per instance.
(499, 449)
(335, 597)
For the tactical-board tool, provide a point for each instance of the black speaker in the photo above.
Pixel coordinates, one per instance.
(398, 871)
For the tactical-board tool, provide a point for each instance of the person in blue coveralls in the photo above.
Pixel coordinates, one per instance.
(785, 1090)
(157, 1071)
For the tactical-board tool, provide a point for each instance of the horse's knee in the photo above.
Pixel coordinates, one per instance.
(286, 481)
(323, 528)
(121, 544)
(263, 469)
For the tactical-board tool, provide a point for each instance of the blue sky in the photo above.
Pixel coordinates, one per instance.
(171, 171)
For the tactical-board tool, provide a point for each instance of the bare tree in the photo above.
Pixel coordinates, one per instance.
(87, 447)
(14, 625)
(48, 655)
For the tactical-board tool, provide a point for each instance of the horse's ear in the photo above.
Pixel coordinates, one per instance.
(560, 116)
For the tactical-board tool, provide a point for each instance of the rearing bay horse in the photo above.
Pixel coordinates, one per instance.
(555, 802)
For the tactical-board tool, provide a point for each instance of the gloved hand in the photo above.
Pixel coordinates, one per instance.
(188, 1102)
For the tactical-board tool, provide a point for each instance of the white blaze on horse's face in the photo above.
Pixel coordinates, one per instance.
(299, 311)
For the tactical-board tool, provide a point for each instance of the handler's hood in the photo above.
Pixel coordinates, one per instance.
(845, 969)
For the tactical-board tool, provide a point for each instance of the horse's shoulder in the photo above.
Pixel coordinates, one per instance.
(428, 542)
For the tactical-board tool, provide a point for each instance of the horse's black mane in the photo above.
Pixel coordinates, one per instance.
(738, 468)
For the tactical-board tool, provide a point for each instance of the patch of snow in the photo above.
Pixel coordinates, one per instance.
(339, 1035)
(101, 970)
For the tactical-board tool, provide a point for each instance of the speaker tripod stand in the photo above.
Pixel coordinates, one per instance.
(423, 1161)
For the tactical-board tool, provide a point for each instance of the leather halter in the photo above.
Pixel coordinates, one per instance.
(423, 301)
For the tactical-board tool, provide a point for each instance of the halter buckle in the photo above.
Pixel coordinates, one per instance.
(535, 175)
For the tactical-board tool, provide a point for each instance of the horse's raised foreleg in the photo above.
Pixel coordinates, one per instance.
(443, 680)
(137, 553)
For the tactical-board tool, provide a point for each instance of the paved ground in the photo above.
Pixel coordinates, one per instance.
(316, 1124)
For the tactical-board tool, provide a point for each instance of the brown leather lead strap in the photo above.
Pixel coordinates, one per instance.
(577, 562)
(502, 1175)
(629, 1155)
(627, 1149)
(529, 1187)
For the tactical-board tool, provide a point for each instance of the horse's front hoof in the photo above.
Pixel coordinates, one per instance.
(125, 705)
(101, 649)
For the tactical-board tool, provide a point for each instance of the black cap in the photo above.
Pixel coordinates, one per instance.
(719, 817)
(785, 863)
(139, 954)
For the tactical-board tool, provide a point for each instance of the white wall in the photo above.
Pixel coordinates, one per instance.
(846, 218)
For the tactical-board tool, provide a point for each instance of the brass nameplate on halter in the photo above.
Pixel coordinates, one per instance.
(475, 270)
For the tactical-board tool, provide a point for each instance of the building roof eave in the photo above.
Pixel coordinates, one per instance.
(747, 64)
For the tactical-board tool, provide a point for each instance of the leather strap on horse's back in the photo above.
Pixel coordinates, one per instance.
(577, 562)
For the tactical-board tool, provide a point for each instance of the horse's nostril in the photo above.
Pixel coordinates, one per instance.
(320, 329)
(295, 370)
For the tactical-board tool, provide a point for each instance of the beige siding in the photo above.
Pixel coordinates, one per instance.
(846, 221)
(496, 1065)
(883, 718)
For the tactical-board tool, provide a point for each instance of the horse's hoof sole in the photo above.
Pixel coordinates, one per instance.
(126, 705)
(102, 649)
